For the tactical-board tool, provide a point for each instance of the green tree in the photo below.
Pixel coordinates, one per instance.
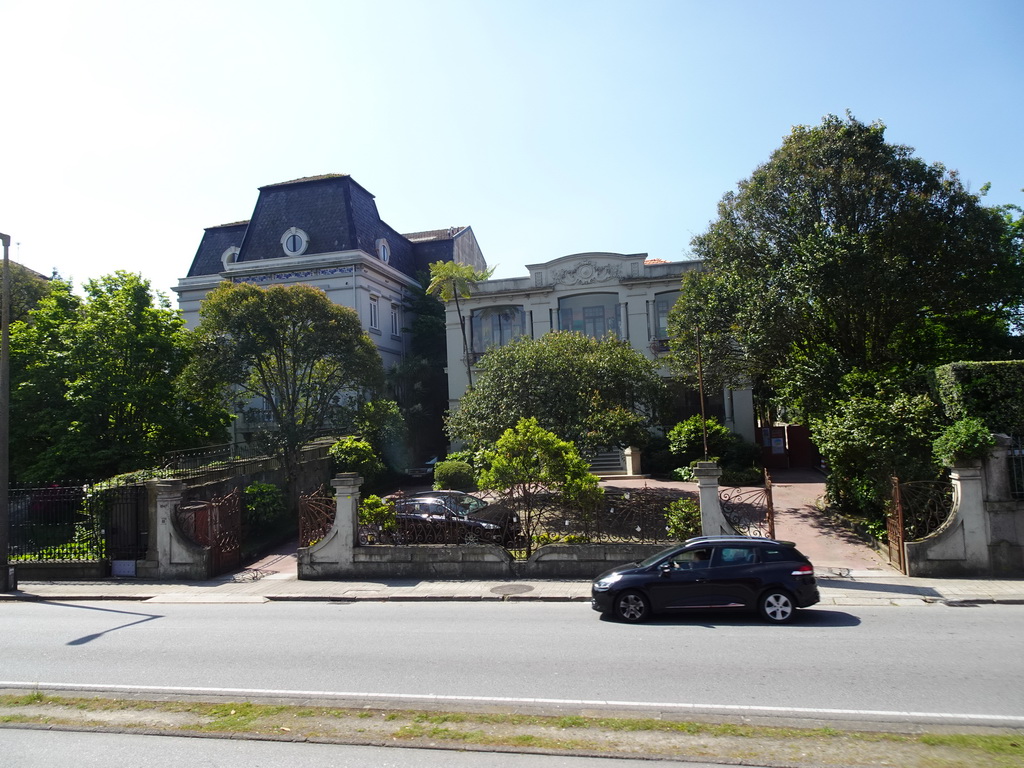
(869, 439)
(530, 466)
(380, 423)
(452, 281)
(293, 352)
(419, 382)
(593, 392)
(844, 254)
(95, 383)
(27, 288)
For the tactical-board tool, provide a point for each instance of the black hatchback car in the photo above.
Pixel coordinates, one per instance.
(710, 572)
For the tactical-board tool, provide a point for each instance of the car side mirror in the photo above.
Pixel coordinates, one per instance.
(666, 568)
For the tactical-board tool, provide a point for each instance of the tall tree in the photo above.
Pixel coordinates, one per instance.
(419, 382)
(452, 281)
(591, 392)
(292, 351)
(95, 383)
(846, 255)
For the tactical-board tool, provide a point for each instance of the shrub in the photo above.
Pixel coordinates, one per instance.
(455, 475)
(373, 510)
(684, 475)
(869, 440)
(962, 441)
(351, 454)
(264, 505)
(686, 440)
(682, 519)
(990, 391)
(747, 476)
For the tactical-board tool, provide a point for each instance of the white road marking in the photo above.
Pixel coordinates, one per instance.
(736, 709)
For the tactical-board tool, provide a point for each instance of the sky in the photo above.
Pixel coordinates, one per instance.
(551, 127)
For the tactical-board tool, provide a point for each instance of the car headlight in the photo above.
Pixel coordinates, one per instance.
(603, 585)
(490, 527)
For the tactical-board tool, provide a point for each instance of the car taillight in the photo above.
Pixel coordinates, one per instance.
(804, 570)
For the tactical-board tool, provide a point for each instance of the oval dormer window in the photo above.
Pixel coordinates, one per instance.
(294, 241)
(383, 250)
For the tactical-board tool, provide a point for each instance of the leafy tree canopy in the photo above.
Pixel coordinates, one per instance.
(292, 351)
(845, 254)
(589, 391)
(95, 383)
(27, 288)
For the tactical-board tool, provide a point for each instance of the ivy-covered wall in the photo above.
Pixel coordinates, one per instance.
(992, 392)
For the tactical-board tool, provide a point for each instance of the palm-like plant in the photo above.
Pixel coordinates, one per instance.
(451, 281)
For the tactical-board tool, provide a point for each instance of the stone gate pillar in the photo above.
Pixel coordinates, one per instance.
(170, 554)
(332, 556)
(712, 521)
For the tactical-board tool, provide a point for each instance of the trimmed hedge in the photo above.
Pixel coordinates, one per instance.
(990, 391)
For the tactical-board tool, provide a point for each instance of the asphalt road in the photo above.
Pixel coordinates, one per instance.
(55, 749)
(895, 664)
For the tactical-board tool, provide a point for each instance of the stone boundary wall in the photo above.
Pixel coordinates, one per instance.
(984, 535)
(339, 556)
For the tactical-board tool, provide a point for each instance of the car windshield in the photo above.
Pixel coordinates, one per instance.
(659, 556)
(470, 504)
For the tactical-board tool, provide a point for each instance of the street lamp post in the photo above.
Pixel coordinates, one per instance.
(6, 582)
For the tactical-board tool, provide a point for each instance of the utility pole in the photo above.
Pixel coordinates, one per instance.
(6, 582)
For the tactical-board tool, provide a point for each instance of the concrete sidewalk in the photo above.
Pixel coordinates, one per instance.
(838, 588)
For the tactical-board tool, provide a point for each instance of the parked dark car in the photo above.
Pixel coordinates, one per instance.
(455, 517)
(710, 572)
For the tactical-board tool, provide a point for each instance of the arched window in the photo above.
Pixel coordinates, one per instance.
(593, 314)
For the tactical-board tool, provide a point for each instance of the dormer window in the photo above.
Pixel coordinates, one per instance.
(230, 256)
(294, 241)
(383, 250)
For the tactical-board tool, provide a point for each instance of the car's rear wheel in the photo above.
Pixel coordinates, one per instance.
(632, 607)
(776, 606)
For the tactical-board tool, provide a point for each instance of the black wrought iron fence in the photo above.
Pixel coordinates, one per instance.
(636, 516)
(642, 515)
(78, 522)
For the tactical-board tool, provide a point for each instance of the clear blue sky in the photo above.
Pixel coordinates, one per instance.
(549, 126)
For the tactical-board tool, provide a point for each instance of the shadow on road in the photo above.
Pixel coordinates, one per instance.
(96, 635)
(808, 617)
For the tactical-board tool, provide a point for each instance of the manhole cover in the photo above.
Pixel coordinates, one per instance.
(511, 589)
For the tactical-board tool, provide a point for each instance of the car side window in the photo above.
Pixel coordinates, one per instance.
(692, 558)
(777, 555)
(735, 556)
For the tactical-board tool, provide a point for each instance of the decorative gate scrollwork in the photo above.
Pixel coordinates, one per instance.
(316, 516)
(749, 510)
(919, 508)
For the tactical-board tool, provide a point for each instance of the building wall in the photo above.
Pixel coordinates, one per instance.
(631, 283)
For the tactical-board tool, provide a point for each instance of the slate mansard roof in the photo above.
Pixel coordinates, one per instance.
(337, 214)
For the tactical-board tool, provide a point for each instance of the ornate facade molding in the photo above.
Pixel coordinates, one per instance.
(585, 273)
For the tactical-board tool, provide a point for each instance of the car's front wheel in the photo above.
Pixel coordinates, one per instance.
(776, 606)
(632, 607)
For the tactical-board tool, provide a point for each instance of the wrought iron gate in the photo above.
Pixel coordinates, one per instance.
(919, 508)
(216, 524)
(895, 530)
(749, 510)
(316, 516)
